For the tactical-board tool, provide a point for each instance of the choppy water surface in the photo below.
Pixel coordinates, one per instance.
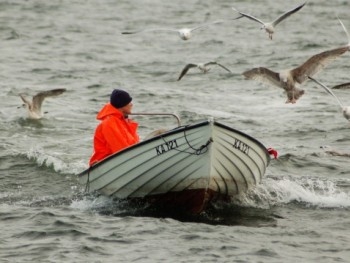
(301, 210)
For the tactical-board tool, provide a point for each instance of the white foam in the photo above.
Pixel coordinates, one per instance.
(89, 204)
(310, 191)
(53, 160)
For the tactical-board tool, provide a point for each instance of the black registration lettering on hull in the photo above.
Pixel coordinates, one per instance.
(243, 147)
(167, 146)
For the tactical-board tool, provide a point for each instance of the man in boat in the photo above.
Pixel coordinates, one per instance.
(115, 131)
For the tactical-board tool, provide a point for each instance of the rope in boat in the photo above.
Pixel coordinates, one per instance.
(201, 150)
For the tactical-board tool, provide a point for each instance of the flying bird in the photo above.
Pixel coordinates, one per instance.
(203, 67)
(332, 152)
(270, 26)
(345, 109)
(184, 33)
(34, 106)
(291, 79)
(342, 86)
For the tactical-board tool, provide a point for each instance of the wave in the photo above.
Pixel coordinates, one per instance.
(53, 161)
(305, 191)
(107, 205)
(273, 192)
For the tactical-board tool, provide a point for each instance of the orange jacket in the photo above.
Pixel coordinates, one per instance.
(114, 133)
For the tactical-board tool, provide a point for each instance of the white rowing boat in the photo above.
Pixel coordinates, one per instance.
(185, 168)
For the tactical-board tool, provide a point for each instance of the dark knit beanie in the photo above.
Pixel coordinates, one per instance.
(120, 98)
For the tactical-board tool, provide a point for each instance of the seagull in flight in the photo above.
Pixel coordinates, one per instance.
(270, 26)
(291, 79)
(342, 86)
(34, 106)
(332, 152)
(203, 67)
(345, 109)
(184, 33)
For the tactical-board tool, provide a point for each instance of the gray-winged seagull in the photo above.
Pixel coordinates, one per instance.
(270, 26)
(345, 109)
(34, 106)
(290, 79)
(184, 33)
(203, 67)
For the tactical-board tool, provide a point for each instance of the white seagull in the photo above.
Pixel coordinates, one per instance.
(270, 26)
(345, 109)
(34, 106)
(203, 67)
(291, 79)
(184, 33)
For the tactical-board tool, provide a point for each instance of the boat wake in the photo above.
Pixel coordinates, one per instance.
(303, 191)
(220, 214)
(255, 208)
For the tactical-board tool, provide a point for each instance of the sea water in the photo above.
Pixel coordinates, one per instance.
(300, 212)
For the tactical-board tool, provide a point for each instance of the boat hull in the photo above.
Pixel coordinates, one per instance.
(185, 168)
